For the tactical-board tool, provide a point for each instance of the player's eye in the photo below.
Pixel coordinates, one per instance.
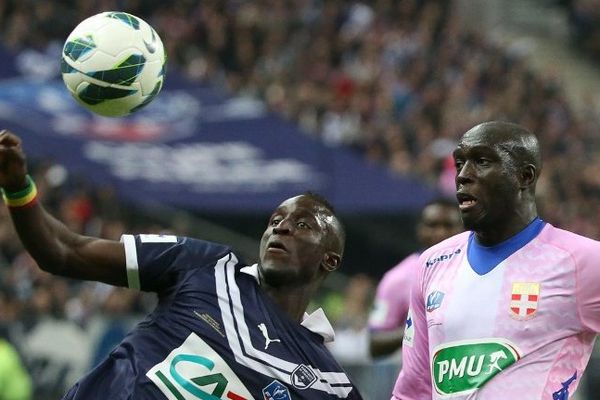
(483, 162)
(275, 221)
(302, 225)
(458, 164)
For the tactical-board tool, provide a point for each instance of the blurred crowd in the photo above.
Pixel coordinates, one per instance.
(63, 327)
(397, 81)
(584, 18)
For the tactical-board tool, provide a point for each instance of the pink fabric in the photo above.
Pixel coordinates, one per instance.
(552, 332)
(392, 297)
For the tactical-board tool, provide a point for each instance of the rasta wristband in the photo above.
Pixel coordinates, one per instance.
(23, 198)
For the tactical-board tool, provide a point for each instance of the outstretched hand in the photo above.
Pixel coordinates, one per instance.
(13, 167)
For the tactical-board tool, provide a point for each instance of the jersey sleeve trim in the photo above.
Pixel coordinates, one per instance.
(131, 261)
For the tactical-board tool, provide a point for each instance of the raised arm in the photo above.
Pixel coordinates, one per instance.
(54, 247)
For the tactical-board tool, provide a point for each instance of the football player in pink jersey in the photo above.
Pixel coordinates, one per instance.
(510, 308)
(439, 220)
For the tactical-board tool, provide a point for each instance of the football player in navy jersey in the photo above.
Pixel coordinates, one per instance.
(221, 329)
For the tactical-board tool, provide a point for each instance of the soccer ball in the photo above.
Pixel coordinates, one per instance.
(113, 63)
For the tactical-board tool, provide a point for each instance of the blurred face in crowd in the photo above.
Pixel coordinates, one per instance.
(301, 244)
(438, 222)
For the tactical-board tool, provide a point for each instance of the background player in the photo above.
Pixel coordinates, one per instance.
(438, 220)
(517, 305)
(222, 329)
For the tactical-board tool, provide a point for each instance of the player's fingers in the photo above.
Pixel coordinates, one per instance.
(10, 153)
(9, 139)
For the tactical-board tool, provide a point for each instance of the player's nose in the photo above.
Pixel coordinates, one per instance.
(283, 228)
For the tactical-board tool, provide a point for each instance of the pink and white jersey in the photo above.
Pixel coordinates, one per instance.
(513, 321)
(390, 306)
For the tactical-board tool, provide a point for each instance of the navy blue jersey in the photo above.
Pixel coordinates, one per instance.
(213, 335)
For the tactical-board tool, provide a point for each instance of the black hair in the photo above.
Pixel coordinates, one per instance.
(320, 199)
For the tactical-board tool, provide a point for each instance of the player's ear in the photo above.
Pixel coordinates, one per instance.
(528, 175)
(331, 261)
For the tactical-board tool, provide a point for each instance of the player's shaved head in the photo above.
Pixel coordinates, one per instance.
(515, 140)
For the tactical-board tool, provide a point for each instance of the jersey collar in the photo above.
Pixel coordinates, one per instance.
(483, 259)
(316, 321)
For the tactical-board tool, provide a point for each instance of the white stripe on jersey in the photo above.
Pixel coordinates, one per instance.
(280, 369)
(131, 262)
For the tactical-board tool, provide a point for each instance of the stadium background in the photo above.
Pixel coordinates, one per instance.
(361, 100)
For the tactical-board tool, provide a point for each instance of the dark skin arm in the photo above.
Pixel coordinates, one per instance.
(54, 247)
(385, 343)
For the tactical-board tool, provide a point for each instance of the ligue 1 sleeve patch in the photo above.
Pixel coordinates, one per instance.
(276, 391)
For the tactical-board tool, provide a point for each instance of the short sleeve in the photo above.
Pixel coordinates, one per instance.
(588, 286)
(414, 381)
(156, 263)
(390, 306)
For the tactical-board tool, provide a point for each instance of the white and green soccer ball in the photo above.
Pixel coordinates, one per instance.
(113, 63)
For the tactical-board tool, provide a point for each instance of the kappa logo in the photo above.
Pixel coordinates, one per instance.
(268, 341)
(443, 257)
(276, 391)
(563, 393)
(303, 377)
(409, 330)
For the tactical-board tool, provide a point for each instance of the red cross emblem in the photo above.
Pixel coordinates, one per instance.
(524, 299)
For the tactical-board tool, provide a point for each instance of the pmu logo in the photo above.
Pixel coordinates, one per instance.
(434, 300)
(443, 257)
(276, 391)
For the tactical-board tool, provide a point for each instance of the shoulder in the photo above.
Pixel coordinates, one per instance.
(579, 247)
(403, 268)
(446, 249)
(172, 243)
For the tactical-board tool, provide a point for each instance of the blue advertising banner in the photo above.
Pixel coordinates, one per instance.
(193, 147)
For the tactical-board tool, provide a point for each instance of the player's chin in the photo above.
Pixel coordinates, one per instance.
(471, 221)
(275, 274)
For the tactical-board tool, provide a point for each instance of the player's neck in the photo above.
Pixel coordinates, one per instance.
(499, 234)
(292, 301)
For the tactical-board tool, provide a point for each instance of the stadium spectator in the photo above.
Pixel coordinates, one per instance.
(245, 325)
(398, 81)
(584, 16)
(438, 221)
(513, 295)
(15, 382)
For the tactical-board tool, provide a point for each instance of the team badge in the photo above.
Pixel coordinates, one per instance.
(303, 377)
(276, 391)
(524, 299)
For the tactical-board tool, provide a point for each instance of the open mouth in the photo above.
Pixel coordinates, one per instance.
(276, 247)
(465, 201)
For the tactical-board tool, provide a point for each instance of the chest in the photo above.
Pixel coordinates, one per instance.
(521, 297)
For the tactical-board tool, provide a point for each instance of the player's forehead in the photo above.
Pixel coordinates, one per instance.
(484, 139)
(305, 206)
(436, 213)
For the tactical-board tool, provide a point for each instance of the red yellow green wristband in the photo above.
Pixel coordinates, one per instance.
(23, 198)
